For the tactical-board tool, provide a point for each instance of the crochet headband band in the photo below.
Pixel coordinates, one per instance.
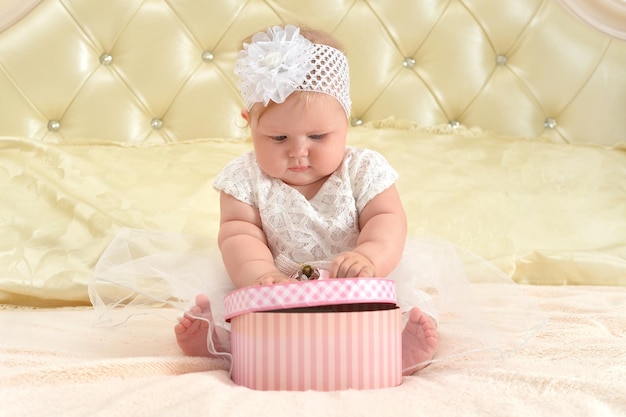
(280, 61)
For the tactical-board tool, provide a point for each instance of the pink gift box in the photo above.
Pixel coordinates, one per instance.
(321, 335)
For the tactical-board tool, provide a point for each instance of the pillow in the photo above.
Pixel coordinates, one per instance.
(545, 213)
(61, 205)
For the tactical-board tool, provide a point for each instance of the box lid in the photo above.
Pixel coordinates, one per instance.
(309, 294)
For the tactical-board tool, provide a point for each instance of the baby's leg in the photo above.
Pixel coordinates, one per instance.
(191, 333)
(419, 341)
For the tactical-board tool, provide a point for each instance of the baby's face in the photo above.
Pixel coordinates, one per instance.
(301, 141)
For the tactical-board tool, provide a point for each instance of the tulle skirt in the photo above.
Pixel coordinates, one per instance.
(478, 308)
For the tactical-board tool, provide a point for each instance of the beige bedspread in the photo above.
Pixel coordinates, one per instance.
(55, 363)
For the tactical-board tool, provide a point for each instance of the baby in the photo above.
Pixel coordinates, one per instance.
(303, 197)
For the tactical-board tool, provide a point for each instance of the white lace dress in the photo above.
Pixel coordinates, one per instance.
(301, 231)
(450, 284)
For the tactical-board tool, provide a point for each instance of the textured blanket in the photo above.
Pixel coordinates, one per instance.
(54, 362)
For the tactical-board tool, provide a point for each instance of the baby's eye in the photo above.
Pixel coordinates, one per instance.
(279, 138)
(316, 137)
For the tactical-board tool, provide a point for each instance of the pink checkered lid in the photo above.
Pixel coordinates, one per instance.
(309, 294)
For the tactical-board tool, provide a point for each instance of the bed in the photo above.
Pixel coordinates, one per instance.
(505, 120)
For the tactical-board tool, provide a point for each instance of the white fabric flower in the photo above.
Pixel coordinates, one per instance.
(273, 65)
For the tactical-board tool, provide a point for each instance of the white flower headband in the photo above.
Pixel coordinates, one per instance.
(279, 61)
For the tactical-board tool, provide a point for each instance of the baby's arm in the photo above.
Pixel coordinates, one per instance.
(381, 241)
(243, 244)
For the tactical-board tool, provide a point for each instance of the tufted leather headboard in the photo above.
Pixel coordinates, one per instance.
(153, 71)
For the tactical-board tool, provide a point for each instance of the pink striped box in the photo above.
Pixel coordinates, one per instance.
(320, 335)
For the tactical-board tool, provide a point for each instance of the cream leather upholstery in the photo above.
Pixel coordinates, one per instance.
(152, 71)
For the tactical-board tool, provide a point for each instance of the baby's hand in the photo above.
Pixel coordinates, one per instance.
(351, 265)
(274, 278)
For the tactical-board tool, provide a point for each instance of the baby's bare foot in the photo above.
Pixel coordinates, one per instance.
(419, 341)
(191, 332)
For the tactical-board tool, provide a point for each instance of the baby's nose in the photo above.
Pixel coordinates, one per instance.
(298, 148)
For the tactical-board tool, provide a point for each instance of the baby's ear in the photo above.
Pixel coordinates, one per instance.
(245, 115)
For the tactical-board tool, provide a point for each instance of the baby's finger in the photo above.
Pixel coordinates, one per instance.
(281, 280)
(266, 280)
(361, 270)
(346, 269)
(333, 271)
(366, 272)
